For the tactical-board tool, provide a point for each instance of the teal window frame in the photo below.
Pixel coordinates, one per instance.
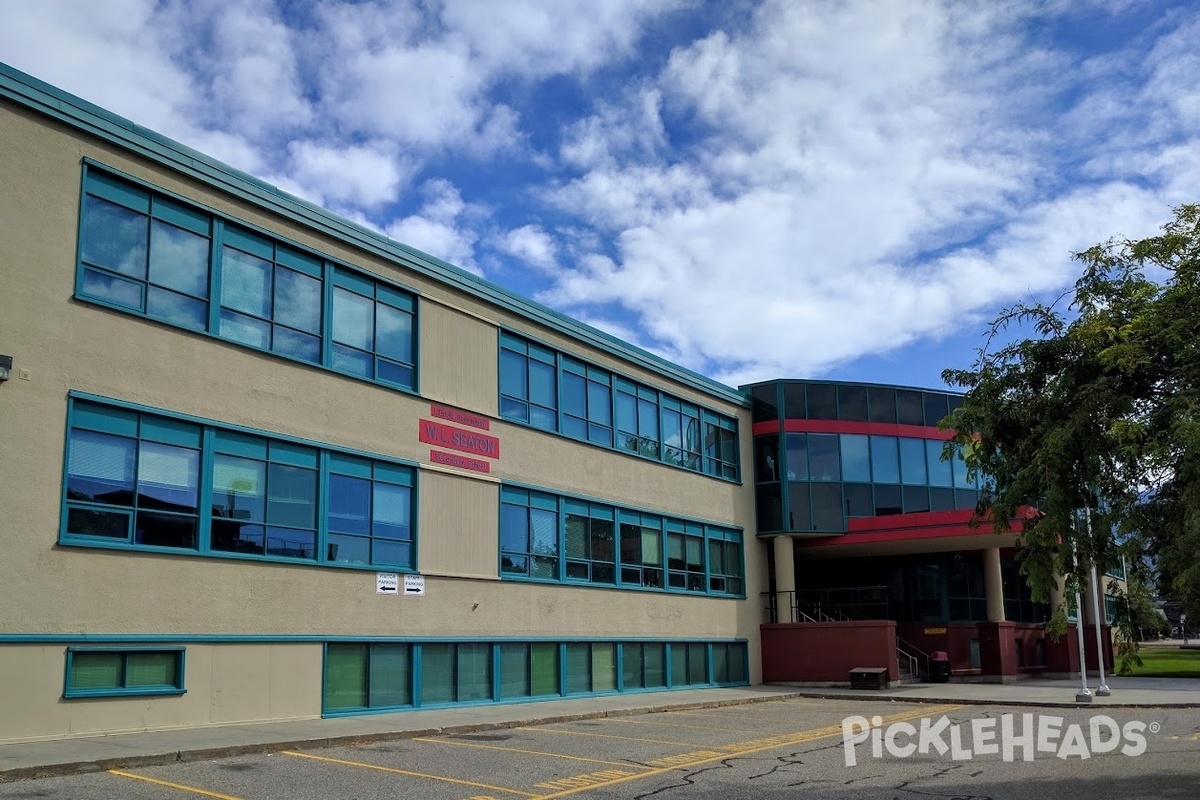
(123, 656)
(698, 543)
(214, 441)
(130, 289)
(603, 408)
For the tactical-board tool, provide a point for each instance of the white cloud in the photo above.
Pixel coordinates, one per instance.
(359, 176)
(445, 226)
(529, 244)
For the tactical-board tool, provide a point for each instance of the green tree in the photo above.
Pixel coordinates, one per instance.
(1098, 410)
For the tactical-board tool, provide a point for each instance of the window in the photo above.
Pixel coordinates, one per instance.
(856, 457)
(132, 478)
(641, 549)
(145, 252)
(591, 667)
(151, 254)
(370, 512)
(528, 534)
(554, 392)
(644, 665)
(729, 662)
(528, 383)
(134, 671)
(271, 295)
(885, 463)
(360, 676)
(551, 538)
(529, 670)
(689, 663)
(637, 419)
(135, 479)
(455, 673)
(372, 330)
(589, 547)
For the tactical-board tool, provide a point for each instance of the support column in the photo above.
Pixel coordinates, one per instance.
(993, 585)
(785, 577)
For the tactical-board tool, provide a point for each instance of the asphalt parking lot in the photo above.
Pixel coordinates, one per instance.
(783, 748)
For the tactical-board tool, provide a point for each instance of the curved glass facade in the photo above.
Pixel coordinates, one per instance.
(826, 453)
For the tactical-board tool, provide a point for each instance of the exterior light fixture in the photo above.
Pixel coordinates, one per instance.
(5, 367)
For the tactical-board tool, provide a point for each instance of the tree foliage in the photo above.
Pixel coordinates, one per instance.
(1099, 410)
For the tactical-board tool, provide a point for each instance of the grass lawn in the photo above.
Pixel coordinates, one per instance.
(1168, 662)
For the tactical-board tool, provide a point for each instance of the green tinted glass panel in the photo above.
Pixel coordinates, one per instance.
(631, 666)
(697, 668)
(655, 670)
(151, 669)
(579, 662)
(391, 675)
(679, 670)
(437, 673)
(345, 676)
(720, 663)
(604, 667)
(97, 670)
(514, 670)
(543, 658)
(474, 672)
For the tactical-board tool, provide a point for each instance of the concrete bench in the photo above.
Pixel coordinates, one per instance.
(868, 678)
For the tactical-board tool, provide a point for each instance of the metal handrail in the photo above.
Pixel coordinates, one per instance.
(905, 647)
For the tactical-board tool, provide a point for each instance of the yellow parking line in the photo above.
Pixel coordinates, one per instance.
(458, 743)
(734, 751)
(410, 773)
(181, 787)
(624, 720)
(612, 736)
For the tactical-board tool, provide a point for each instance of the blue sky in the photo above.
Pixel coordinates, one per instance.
(841, 190)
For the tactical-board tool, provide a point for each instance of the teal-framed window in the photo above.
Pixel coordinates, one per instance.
(549, 537)
(146, 252)
(555, 392)
(371, 676)
(529, 534)
(126, 671)
(528, 383)
(137, 478)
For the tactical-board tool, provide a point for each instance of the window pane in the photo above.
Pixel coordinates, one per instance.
(579, 663)
(100, 468)
(961, 478)
(513, 374)
(291, 543)
(631, 666)
(916, 498)
(168, 477)
(177, 309)
(514, 528)
(852, 403)
(885, 463)
(292, 496)
(88, 522)
(113, 289)
(909, 408)
(345, 676)
(97, 670)
(393, 553)
(794, 403)
(390, 675)
(935, 408)
(353, 319)
(574, 394)
(114, 237)
(599, 403)
(912, 462)
(164, 530)
(474, 671)
(246, 283)
(393, 517)
(856, 458)
(679, 669)
(244, 329)
(353, 362)
(543, 669)
(799, 515)
(544, 530)
(860, 501)
(297, 345)
(178, 259)
(349, 549)
(437, 673)
(514, 670)
(888, 500)
(349, 505)
(654, 660)
(827, 507)
(393, 333)
(697, 663)
(940, 472)
(797, 457)
(883, 404)
(297, 300)
(823, 457)
(822, 401)
(577, 536)
(151, 669)
(604, 667)
(239, 487)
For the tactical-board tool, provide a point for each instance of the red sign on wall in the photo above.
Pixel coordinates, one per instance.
(460, 417)
(479, 444)
(462, 462)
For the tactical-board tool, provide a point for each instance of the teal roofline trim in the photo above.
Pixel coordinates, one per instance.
(746, 387)
(273, 638)
(53, 102)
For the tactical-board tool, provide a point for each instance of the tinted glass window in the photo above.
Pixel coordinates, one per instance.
(885, 464)
(859, 500)
(888, 500)
(823, 457)
(766, 459)
(770, 507)
(916, 498)
(797, 456)
(822, 401)
(912, 462)
(856, 458)
(794, 405)
(827, 507)
(852, 403)
(766, 406)
(798, 507)
(883, 404)
(909, 409)
(935, 408)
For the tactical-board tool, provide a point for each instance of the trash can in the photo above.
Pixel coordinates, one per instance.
(939, 667)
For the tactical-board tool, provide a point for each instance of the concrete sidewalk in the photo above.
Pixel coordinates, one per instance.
(19, 760)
